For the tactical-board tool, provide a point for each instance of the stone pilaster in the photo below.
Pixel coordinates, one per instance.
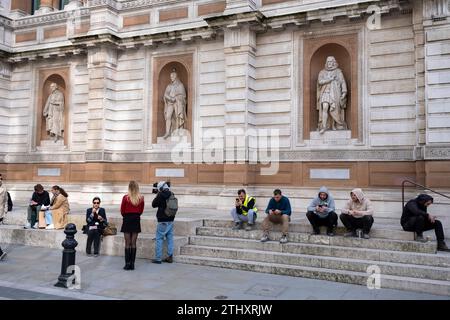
(240, 48)
(436, 22)
(419, 42)
(45, 7)
(102, 63)
(73, 4)
(19, 8)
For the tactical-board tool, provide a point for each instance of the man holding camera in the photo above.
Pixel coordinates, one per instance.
(244, 211)
(164, 228)
(321, 212)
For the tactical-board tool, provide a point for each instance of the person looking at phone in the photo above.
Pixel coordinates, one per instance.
(244, 211)
(96, 222)
(278, 211)
(321, 212)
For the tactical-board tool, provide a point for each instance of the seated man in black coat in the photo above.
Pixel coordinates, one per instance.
(96, 222)
(415, 218)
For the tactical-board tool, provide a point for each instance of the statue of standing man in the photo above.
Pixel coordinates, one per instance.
(174, 105)
(54, 113)
(331, 97)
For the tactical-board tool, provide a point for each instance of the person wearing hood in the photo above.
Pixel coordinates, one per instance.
(357, 214)
(321, 212)
(416, 219)
(164, 229)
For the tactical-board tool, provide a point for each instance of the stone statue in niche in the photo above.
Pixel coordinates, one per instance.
(174, 105)
(331, 97)
(54, 113)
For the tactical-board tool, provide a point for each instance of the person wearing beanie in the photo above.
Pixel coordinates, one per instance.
(416, 219)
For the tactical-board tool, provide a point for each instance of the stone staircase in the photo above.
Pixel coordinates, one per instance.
(403, 263)
(13, 233)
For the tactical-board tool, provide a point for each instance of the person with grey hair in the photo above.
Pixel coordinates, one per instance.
(164, 228)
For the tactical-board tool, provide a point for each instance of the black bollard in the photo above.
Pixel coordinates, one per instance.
(68, 258)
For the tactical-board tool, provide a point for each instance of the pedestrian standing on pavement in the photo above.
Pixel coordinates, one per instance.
(131, 209)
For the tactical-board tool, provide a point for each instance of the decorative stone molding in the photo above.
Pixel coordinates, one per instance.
(437, 153)
(5, 70)
(436, 9)
(53, 17)
(52, 157)
(348, 155)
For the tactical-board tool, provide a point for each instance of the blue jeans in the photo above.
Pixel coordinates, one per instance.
(250, 217)
(164, 229)
(48, 217)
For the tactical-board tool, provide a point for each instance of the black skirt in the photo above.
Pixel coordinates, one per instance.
(131, 223)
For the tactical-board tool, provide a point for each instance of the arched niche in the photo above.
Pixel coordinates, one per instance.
(316, 51)
(47, 77)
(183, 65)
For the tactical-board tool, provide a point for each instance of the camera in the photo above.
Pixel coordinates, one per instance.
(155, 186)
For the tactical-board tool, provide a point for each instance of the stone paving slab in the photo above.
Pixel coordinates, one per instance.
(34, 270)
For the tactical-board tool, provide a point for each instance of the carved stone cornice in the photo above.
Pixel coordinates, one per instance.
(45, 54)
(49, 18)
(354, 12)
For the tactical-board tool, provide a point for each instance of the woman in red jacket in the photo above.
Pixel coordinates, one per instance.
(131, 209)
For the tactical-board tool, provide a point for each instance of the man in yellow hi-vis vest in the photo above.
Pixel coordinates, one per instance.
(244, 211)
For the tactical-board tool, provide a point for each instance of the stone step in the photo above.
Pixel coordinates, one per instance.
(440, 259)
(111, 245)
(438, 287)
(182, 226)
(388, 268)
(303, 226)
(373, 243)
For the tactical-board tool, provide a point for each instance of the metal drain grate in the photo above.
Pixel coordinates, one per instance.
(266, 290)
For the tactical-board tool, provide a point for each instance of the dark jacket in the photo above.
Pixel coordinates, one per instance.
(284, 205)
(42, 199)
(91, 220)
(160, 202)
(414, 208)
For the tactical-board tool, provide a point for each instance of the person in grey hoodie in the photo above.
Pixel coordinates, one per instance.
(321, 212)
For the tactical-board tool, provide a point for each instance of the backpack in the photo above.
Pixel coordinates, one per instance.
(10, 203)
(171, 206)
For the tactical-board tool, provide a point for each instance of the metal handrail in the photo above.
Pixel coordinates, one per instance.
(417, 185)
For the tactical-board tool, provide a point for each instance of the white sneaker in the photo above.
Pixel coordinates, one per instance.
(50, 227)
(36, 226)
(27, 225)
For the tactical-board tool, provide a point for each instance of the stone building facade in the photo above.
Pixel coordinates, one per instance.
(249, 66)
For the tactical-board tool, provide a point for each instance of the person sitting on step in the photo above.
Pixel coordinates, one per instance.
(278, 211)
(96, 223)
(357, 214)
(39, 198)
(244, 211)
(58, 210)
(416, 219)
(321, 212)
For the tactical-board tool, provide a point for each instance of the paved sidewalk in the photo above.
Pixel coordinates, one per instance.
(31, 272)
